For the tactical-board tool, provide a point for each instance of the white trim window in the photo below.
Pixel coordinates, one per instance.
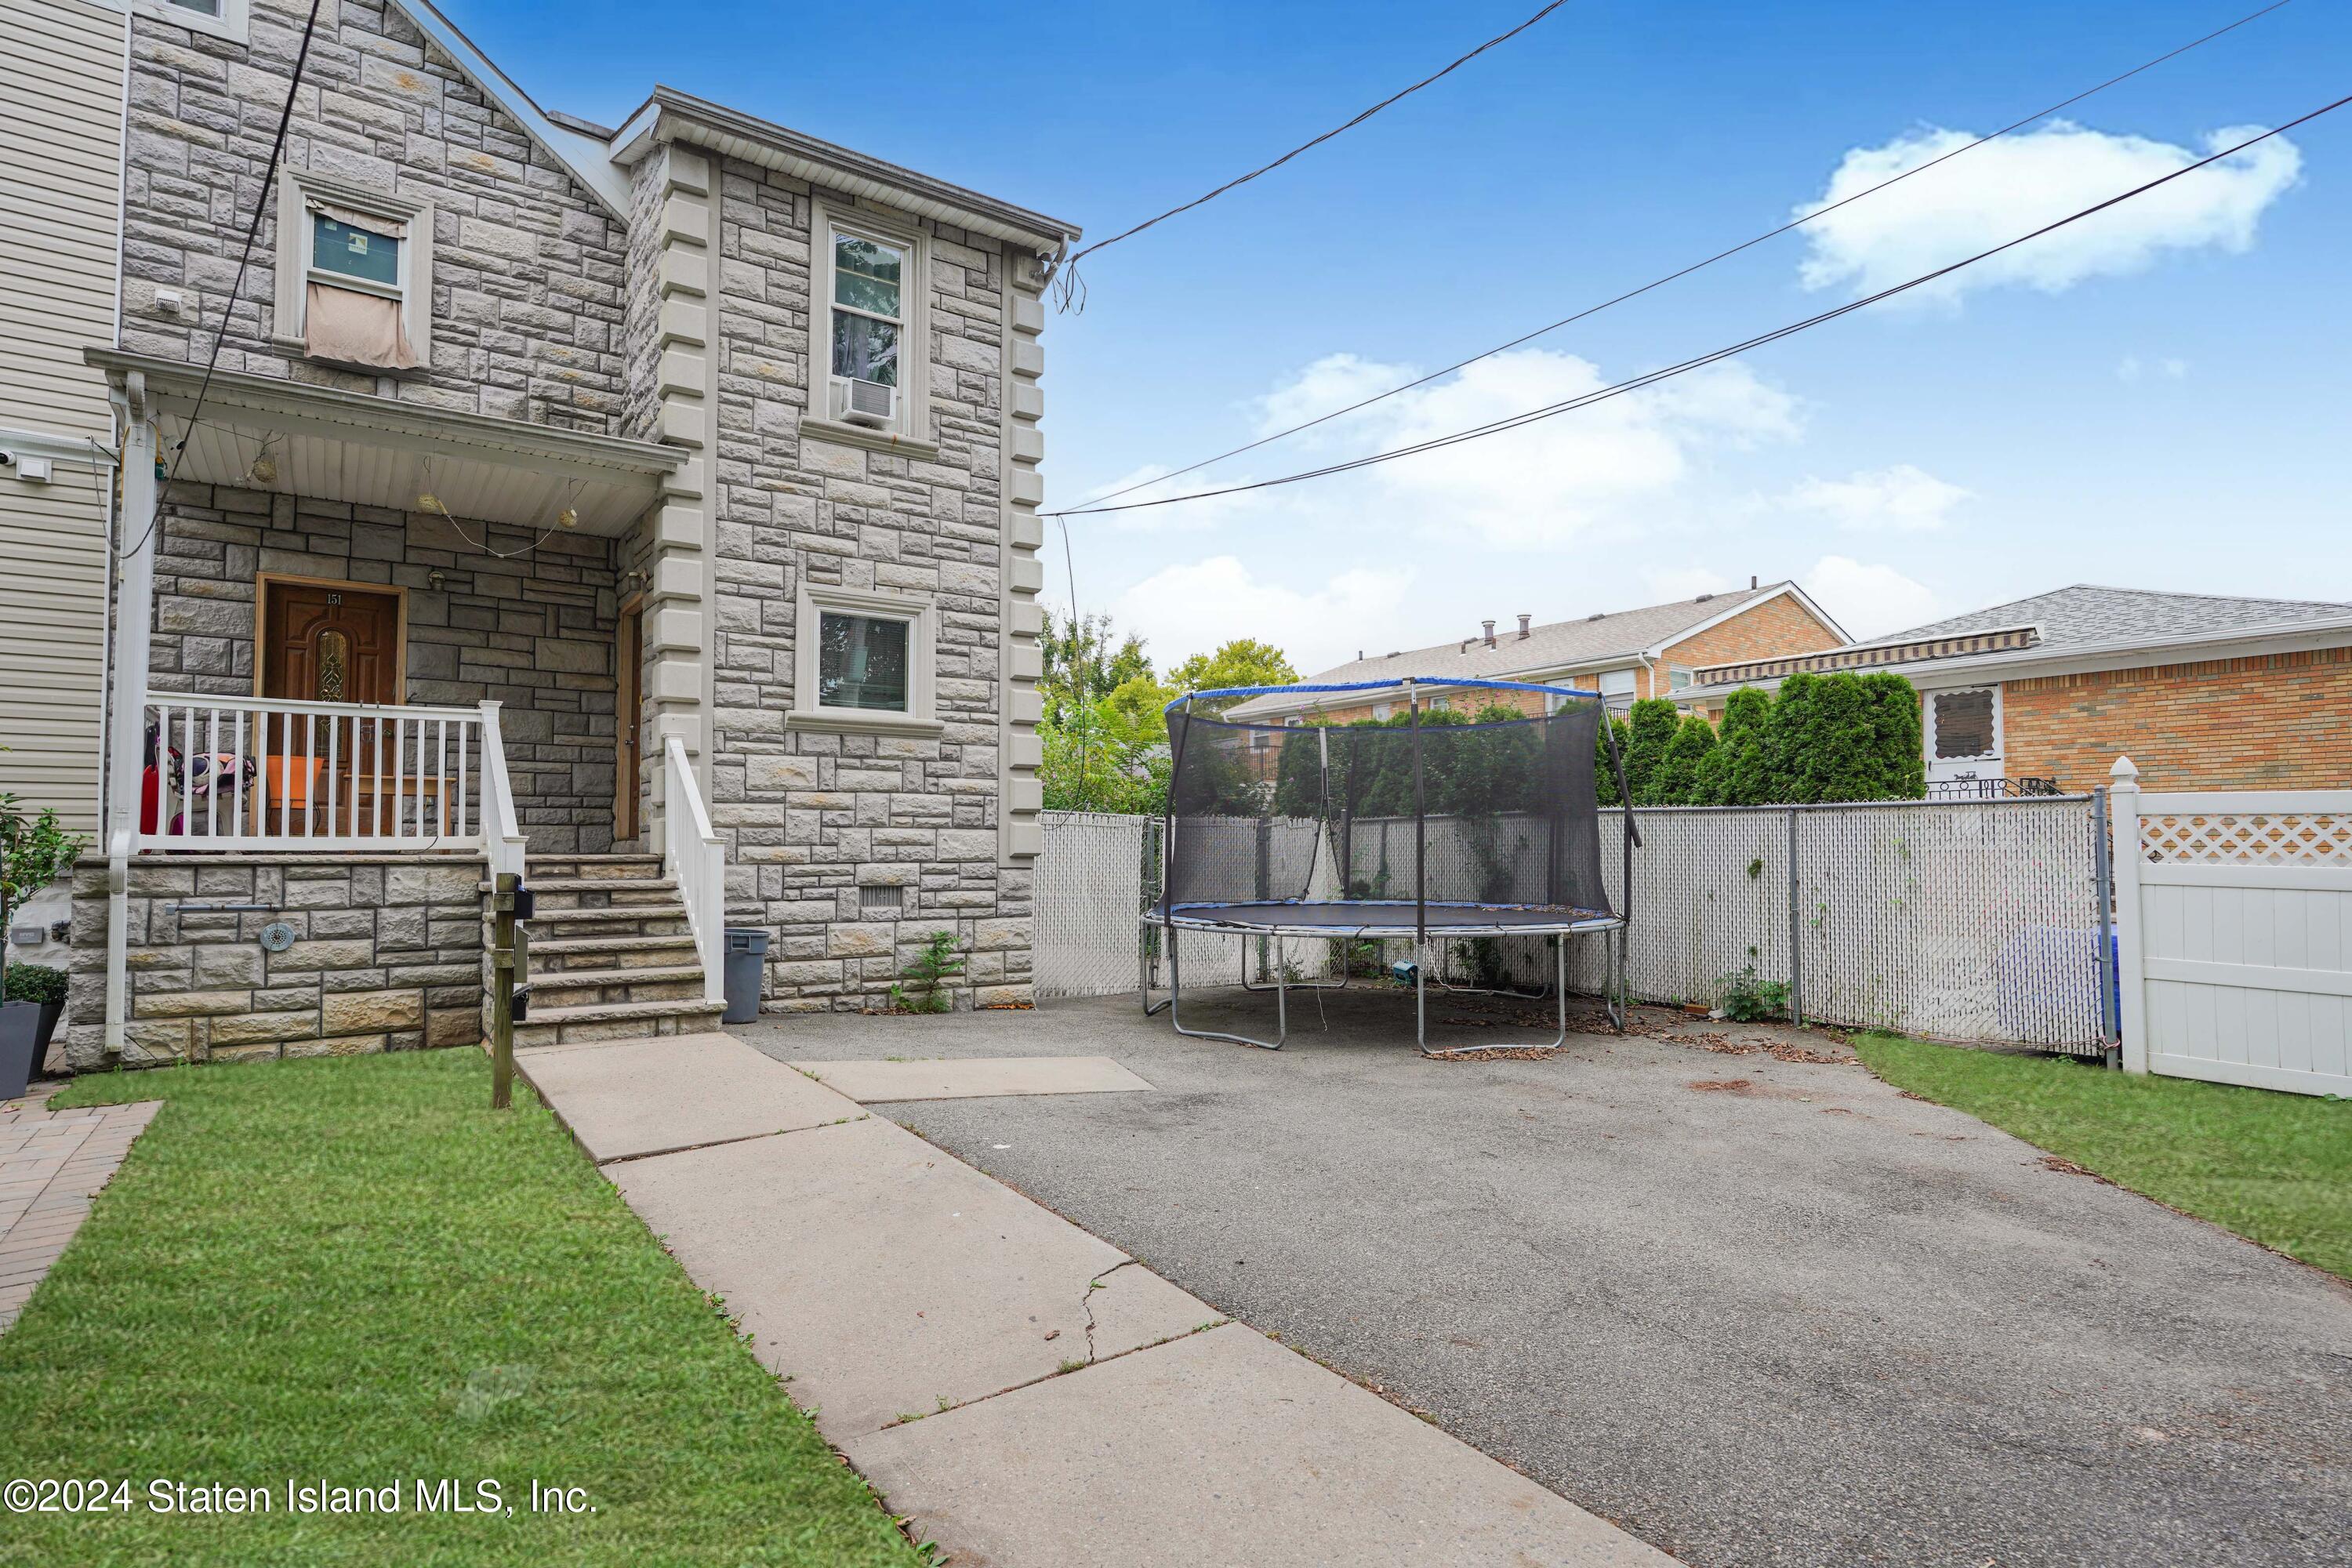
(862, 661)
(1616, 689)
(876, 367)
(220, 18)
(354, 275)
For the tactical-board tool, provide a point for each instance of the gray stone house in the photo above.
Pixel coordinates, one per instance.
(648, 508)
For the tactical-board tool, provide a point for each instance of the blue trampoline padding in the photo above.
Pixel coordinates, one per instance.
(1383, 686)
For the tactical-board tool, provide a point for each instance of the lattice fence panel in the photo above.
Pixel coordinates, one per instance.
(2250, 839)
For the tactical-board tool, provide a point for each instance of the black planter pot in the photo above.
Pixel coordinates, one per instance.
(22, 1039)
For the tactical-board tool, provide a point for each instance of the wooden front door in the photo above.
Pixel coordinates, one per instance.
(328, 643)
(333, 642)
(628, 650)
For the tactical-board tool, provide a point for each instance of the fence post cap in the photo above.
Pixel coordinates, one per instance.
(2123, 773)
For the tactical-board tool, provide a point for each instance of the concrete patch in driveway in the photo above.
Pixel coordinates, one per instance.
(973, 1078)
(887, 1279)
(1221, 1449)
(632, 1098)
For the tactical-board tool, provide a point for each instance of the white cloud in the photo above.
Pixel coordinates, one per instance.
(1870, 601)
(1613, 464)
(2014, 186)
(1667, 583)
(2133, 367)
(1195, 607)
(1330, 384)
(1902, 499)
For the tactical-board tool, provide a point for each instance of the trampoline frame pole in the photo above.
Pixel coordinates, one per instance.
(1420, 831)
(1421, 1010)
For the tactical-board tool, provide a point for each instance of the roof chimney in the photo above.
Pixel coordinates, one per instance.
(1523, 625)
(1751, 579)
(1490, 632)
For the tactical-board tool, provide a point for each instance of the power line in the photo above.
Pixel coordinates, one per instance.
(1065, 274)
(1584, 400)
(1695, 267)
(252, 228)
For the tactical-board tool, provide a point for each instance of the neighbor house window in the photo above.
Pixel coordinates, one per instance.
(862, 661)
(1616, 688)
(1963, 723)
(354, 277)
(872, 271)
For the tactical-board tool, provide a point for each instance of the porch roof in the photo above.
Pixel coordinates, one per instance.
(377, 451)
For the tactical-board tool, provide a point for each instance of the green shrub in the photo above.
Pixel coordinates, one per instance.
(1748, 1000)
(1649, 730)
(32, 982)
(1684, 765)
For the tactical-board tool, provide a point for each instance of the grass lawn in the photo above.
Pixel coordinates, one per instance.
(351, 1270)
(2274, 1167)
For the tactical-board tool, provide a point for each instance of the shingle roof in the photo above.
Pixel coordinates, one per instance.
(2086, 613)
(1558, 646)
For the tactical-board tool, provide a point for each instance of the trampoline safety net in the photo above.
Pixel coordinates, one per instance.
(1425, 810)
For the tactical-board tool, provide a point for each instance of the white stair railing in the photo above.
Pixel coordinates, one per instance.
(502, 844)
(693, 858)
(256, 774)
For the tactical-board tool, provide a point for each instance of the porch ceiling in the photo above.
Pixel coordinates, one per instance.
(374, 451)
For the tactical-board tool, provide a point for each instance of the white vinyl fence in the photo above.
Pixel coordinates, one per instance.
(2235, 914)
(1976, 921)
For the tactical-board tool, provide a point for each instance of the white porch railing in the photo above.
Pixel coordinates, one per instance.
(257, 774)
(693, 857)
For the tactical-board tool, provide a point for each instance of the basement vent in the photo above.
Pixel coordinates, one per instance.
(881, 901)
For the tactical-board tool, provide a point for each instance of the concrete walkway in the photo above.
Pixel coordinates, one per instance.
(1030, 1395)
(52, 1163)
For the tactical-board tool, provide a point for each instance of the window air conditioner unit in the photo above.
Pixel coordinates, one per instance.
(864, 402)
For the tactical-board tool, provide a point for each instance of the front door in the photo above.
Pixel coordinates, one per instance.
(331, 643)
(334, 642)
(628, 649)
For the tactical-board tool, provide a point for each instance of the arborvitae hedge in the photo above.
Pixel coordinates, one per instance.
(1825, 738)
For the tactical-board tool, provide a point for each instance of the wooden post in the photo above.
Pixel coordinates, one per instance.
(502, 967)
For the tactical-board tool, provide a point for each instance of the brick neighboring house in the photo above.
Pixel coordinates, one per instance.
(1624, 655)
(2202, 692)
(649, 503)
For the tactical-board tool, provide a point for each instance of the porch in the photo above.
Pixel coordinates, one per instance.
(362, 644)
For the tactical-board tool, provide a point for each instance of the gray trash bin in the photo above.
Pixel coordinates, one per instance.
(747, 954)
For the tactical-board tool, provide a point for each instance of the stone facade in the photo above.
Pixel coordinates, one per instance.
(387, 956)
(687, 319)
(2279, 721)
(529, 268)
(812, 816)
(534, 631)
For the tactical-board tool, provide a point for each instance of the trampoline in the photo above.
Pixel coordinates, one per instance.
(1424, 826)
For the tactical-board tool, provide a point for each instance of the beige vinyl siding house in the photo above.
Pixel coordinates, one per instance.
(61, 120)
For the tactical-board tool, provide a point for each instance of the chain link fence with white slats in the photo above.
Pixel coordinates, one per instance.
(1973, 920)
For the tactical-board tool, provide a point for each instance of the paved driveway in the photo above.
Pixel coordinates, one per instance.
(1756, 1311)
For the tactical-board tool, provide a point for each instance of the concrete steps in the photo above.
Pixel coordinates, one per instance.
(611, 953)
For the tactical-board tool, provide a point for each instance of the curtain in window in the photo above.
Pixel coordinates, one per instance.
(352, 328)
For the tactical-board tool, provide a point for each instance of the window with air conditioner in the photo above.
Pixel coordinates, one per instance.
(871, 276)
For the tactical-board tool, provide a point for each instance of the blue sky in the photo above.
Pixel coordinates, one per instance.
(2158, 402)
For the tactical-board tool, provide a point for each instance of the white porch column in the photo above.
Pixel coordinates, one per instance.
(134, 611)
(133, 570)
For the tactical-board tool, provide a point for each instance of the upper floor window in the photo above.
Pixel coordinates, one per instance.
(354, 274)
(221, 18)
(871, 285)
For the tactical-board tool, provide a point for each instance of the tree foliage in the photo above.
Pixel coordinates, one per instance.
(1833, 737)
(1244, 661)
